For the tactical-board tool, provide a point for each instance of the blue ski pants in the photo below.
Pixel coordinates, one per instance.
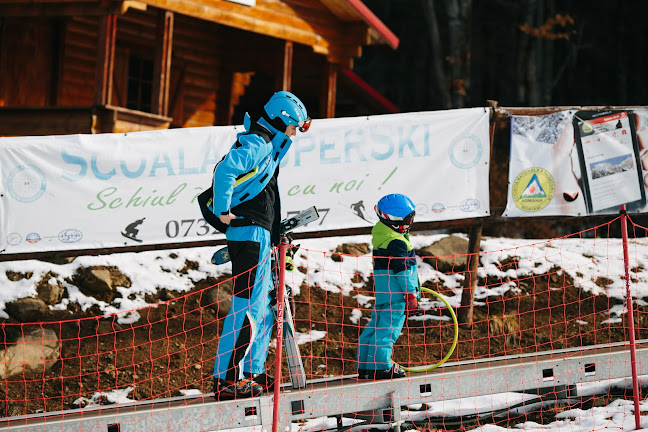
(245, 337)
(376, 343)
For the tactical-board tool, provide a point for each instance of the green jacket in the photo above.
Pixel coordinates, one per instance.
(395, 268)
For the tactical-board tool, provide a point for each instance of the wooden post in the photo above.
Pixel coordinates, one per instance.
(465, 314)
(470, 282)
(105, 59)
(329, 90)
(162, 65)
(286, 79)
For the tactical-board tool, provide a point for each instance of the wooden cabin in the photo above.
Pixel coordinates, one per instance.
(93, 66)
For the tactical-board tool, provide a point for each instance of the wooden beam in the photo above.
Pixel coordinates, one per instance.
(329, 90)
(162, 63)
(321, 34)
(45, 121)
(131, 4)
(59, 9)
(286, 70)
(105, 60)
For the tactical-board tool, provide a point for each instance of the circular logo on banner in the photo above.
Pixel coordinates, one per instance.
(14, 239)
(33, 238)
(587, 127)
(465, 151)
(438, 207)
(70, 235)
(469, 205)
(26, 183)
(533, 189)
(421, 209)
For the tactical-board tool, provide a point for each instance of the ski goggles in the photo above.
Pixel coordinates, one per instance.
(304, 125)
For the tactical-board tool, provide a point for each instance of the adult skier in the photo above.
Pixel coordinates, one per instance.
(246, 198)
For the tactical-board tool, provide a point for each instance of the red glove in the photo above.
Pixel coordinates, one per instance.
(411, 305)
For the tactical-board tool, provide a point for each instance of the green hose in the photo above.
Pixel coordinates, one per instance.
(428, 368)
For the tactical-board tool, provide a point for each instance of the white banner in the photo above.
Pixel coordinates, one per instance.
(576, 163)
(111, 190)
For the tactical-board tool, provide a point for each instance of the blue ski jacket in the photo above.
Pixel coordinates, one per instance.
(245, 180)
(395, 269)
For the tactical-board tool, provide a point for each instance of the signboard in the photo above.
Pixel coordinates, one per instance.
(110, 190)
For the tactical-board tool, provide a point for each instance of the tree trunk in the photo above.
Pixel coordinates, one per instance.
(437, 53)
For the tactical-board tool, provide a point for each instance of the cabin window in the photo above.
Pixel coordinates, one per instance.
(140, 84)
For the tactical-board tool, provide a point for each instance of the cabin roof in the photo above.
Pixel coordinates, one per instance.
(335, 28)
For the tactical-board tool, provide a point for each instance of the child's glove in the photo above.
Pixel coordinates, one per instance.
(411, 305)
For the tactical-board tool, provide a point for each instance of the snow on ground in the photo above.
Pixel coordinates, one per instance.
(585, 260)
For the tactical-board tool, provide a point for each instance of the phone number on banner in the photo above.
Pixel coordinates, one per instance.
(189, 227)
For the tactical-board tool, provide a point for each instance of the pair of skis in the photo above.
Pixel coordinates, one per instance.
(293, 356)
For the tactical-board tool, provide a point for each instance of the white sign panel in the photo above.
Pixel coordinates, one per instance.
(111, 190)
(576, 163)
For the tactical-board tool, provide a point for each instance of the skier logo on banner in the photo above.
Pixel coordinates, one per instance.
(131, 230)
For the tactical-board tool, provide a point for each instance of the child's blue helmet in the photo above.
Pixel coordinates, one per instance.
(289, 109)
(396, 211)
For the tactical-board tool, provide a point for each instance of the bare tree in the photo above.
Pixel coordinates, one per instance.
(451, 60)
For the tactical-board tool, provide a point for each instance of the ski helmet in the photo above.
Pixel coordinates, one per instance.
(396, 211)
(289, 109)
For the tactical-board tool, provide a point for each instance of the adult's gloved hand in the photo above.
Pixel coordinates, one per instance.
(273, 294)
(290, 253)
(411, 306)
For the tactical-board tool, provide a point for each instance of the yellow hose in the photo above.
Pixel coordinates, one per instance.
(428, 368)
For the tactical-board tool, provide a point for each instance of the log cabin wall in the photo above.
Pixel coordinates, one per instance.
(76, 82)
(198, 55)
(195, 65)
(28, 55)
(60, 71)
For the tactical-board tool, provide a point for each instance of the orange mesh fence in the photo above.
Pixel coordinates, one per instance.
(530, 297)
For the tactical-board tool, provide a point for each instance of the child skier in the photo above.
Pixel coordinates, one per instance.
(396, 288)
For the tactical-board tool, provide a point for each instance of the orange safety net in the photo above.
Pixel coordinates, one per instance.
(529, 297)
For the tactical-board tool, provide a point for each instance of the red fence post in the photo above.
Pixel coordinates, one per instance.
(281, 285)
(631, 329)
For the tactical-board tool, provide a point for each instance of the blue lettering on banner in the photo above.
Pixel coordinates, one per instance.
(383, 141)
(74, 160)
(356, 145)
(133, 174)
(185, 170)
(324, 149)
(303, 146)
(76, 166)
(98, 174)
(157, 164)
(405, 140)
(377, 142)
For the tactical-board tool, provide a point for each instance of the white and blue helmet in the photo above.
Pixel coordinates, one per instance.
(396, 211)
(289, 109)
